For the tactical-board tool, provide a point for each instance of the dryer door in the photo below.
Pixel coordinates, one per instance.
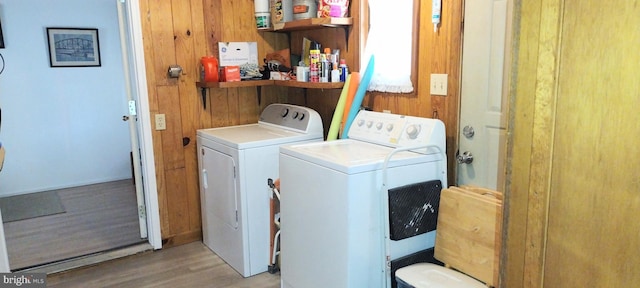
(220, 186)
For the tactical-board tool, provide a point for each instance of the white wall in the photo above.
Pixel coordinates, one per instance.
(61, 127)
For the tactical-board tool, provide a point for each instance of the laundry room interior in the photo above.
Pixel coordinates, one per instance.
(553, 138)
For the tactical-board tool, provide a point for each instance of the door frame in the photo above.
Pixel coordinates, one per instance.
(141, 96)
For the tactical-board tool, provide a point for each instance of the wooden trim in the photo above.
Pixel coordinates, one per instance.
(531, 148)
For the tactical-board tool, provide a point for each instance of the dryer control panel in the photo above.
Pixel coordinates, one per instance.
(395, 130)
(287, 116)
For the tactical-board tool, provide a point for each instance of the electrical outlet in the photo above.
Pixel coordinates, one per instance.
(161, 123)
(439, 84)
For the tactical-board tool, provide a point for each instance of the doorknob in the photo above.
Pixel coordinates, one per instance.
(125, 118)
(465, 158)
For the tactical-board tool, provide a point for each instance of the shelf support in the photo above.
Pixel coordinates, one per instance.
(203, 92)
(346, 36)
(259, 91)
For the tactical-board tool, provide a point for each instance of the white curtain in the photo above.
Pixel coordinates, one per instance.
(390, 41)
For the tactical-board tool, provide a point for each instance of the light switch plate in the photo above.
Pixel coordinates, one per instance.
(439, 84)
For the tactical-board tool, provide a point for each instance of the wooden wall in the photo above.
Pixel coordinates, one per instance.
(573, 188)
(182, 31)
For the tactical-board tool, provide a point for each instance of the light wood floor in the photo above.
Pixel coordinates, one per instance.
(98, 217)
(189, 265)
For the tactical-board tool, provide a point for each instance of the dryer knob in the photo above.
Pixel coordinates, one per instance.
(295, 114)
(369, 124)
(360, 122)
(301, 116)
(285, 112)
(379, 125)
(389, 127)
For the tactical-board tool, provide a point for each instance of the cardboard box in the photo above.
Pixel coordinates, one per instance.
(237, 53)
(230, 73)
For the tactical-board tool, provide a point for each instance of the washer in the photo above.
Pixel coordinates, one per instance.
(235, 163)
(335, 231)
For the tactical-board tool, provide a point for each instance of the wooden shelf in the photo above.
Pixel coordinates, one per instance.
(236, 84)
(310, 85)
(257, 83)
(307, 24)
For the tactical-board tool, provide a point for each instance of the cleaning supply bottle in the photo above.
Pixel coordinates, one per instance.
(344, 70)
(209, 69)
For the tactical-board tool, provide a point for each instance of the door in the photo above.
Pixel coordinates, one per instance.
(483, 105)
(132, 117)
(220, 187)
(221, 227)
(593, 232)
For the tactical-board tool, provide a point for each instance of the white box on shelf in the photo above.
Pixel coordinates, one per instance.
(237, 53)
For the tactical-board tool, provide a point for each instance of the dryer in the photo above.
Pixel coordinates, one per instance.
(340, 225)
(234, 165)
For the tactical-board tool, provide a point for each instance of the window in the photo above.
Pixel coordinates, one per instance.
(390, 40)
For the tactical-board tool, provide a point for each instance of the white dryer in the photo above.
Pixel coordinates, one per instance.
(351, 207)
(235, 163)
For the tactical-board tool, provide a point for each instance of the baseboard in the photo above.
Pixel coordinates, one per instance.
(181, 239)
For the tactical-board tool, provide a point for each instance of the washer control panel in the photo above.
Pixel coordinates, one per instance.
(395, 130)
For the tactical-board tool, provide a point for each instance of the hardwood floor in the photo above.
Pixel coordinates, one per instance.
(189, 265)
(98, 217)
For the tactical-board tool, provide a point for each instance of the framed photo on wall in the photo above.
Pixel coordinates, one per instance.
(73, 47)
(1, 36)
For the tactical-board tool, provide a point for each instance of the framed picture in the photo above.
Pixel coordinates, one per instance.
(1, 37)
(73, 47)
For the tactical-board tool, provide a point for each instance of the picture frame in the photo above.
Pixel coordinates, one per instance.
(1, 36)
(73, 47)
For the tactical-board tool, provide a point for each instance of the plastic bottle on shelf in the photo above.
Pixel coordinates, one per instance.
(314, 63)
(324, 68)
(335, 74)
(344, 70)
(209, 69)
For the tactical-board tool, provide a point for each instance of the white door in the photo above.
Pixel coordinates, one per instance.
(132, 118)
(483, 105)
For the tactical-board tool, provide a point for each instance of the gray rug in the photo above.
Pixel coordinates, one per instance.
(21, 207)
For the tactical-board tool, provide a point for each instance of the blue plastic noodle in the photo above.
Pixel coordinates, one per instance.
(357, 99)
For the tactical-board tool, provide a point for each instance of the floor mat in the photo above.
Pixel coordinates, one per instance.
(32, 205)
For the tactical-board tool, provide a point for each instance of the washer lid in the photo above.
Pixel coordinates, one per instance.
(423, 275)
(353, 156)
(254, 135)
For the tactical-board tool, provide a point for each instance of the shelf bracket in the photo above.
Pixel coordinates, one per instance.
(259, 90)
(346, 36)
(203, 92)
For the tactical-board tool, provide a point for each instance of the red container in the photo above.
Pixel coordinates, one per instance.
(209, 69)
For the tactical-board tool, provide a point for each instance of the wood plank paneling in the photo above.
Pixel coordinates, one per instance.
(180, 32)
(575, 101)
(593, 232)
(522, 93)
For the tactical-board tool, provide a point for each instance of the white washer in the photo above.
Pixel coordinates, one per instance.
(334, 227)
(235, 163)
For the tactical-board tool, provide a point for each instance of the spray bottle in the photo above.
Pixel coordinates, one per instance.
(435, 14)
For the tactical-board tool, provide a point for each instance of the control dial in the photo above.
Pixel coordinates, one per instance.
(284, 112)
(413, 131)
